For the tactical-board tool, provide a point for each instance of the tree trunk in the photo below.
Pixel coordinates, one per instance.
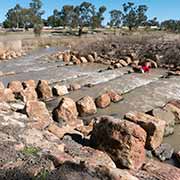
(80, 31)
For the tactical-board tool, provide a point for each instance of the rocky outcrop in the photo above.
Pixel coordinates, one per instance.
(29, 84)
(38, 114)
(124, 141)
(66, 112)
(86, 106)
(152, 125)
(74, 87)
(43, 90)
(103, 101)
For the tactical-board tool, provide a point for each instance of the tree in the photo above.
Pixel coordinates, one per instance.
(115, 18)
(36, 12)
(13, 19)
(152, 22)
(134, 16)
(55, 19)
(86, 10)
(171, 25)
(97, 17)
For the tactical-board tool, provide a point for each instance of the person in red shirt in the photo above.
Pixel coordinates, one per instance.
(146, 67)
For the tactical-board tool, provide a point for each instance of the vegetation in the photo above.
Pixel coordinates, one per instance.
(30, 151)
(83, 15)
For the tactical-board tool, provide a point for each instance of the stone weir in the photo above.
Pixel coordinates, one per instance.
(63, 144)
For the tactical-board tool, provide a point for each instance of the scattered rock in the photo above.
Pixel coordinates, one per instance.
(66, 111)
(114, 96)
(117, 65)
(86, 106)
(60, 90)
(38, 114)
(152, 125)
(168, 117)
(103, 101)
(164, 152)
(177, 155)
(124, 141)
(15, 86)
(43, 90)
(74, 87)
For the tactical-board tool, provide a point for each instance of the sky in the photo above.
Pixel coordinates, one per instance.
(162, 9)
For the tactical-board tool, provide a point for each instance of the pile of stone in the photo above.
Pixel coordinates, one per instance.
(67, 146)
(9, 54)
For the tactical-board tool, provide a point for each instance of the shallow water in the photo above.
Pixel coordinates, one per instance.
(142, 92)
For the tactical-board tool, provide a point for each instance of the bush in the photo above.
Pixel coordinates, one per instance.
(38, 29)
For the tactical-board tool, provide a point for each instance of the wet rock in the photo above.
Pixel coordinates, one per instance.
(86, 106)
(124, 141)
(15, 86)
(38, 114)
(66, 111)
(152, 125)
(43, 90)
(168, 117)
(60, 90)
(174, 107)
(74, 87)
(29, 84)
(158, 171)
(83, 60)
(90, 58)
(103, 101)
(114, 96)
(164, 152)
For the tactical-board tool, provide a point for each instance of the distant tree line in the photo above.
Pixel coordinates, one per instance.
(84, 15)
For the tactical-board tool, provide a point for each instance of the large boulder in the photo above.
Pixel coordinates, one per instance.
(8, 95)
(66, 112)
(124, 141)
(103, 101)
(168, 117)
(153, 126)
(156, 170)
(60, 90)
(43, 90)
(174, 107)
(90, 58)
(15, 86)
(86, 106)
(38, 114)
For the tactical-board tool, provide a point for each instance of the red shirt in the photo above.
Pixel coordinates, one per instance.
(145, 68)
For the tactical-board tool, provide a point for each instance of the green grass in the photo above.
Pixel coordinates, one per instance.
(31, 151)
